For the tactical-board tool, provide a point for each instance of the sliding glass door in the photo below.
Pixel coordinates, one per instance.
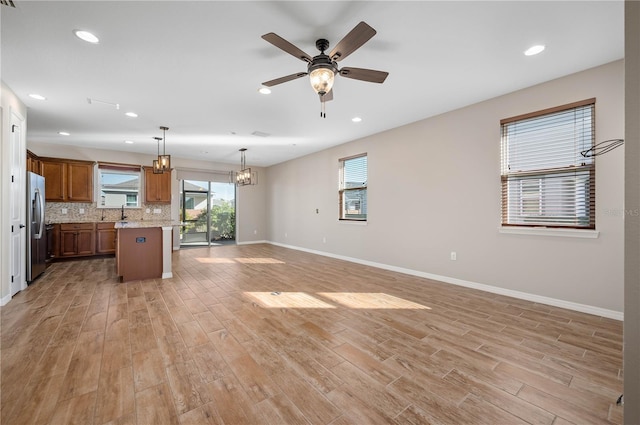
(208, 214)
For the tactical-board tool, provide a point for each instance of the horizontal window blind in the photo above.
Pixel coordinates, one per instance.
(353, 188)
(545, 179)
(118, 167)
(204, 175)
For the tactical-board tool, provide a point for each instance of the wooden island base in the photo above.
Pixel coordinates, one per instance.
(139, 253)
(143, 249)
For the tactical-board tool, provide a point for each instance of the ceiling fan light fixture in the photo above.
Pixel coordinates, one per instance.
(321, 79)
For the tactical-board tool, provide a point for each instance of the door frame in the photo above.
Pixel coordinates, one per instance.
(183, 195)
(17, 203)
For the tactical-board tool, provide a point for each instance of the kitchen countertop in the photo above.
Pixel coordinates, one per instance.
(89, 220)
(145, 223)
(119, 224)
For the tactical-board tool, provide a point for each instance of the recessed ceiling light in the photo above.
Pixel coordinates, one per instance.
(534, 50)
(129, 142)
(264, 90)
(64, 133)
(86, 36)
(356, 119)
(37, 96)
(131, 114)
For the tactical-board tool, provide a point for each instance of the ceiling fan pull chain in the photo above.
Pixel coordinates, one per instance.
(323, 113)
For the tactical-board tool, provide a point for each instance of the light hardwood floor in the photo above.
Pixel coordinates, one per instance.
(341, 344)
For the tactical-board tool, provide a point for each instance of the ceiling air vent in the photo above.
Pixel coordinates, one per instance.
(260, 134)
(7, 3)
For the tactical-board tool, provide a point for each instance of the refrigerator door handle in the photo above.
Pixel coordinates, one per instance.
(39, 213)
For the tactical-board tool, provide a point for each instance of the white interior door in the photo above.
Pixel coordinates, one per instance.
(17, 206)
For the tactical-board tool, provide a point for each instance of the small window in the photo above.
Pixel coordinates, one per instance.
(353, 188)
(119, 186)
(546, 181)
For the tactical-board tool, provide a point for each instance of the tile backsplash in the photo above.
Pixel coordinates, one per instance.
(80, 212)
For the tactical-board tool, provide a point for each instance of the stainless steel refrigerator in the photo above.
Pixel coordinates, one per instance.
(36, 234)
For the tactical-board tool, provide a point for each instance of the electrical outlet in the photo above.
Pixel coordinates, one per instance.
(454, 256)
(64, 211)
(324, 239)
(285, 234)
(255, 232)
(148, 210)
(157, 211)
(81, 210)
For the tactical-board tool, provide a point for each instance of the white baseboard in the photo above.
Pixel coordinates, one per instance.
(251, 242)
(583, 308)
(4, 300)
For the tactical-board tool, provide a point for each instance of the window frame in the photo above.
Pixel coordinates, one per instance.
(582, 171)
(342, 190)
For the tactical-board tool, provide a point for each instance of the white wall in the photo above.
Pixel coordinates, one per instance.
(9, 103)
(434, 187)
(249, 200)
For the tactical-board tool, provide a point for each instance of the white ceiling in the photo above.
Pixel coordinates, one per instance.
(196, 66)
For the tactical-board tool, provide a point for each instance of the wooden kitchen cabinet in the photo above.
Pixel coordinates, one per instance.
(54, 180)
(105, 238)
(157, 187)
(33, 163)
(79, 182)
(67, 180)
(77, 239)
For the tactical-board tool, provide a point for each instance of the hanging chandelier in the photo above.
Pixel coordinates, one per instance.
(243, 177)
(156, 162)
(164, 160)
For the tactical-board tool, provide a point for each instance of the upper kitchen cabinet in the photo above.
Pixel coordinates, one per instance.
(157, 187)
(33, 163)
(67, 180)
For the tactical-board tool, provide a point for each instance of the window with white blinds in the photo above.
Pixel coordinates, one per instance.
(546, 181)
(353, 188)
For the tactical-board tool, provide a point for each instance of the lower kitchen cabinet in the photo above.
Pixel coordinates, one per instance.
(105, 238)
(77, 239)
(83, 239)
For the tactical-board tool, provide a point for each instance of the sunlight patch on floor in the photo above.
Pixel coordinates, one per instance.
(210, 260)
(243, 260)
(287, 300)
(356, 300)
(372, 300)
(259, 261)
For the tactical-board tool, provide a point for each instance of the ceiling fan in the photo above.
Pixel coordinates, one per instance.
(323, 68)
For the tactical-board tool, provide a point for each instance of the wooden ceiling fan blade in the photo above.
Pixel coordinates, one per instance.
(352, 41)
(281, 80)
(283, 44)
(362, 74)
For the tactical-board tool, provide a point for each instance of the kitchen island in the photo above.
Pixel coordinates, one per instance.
(143, 249)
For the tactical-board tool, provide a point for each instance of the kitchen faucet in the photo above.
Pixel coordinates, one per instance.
(122, 216)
